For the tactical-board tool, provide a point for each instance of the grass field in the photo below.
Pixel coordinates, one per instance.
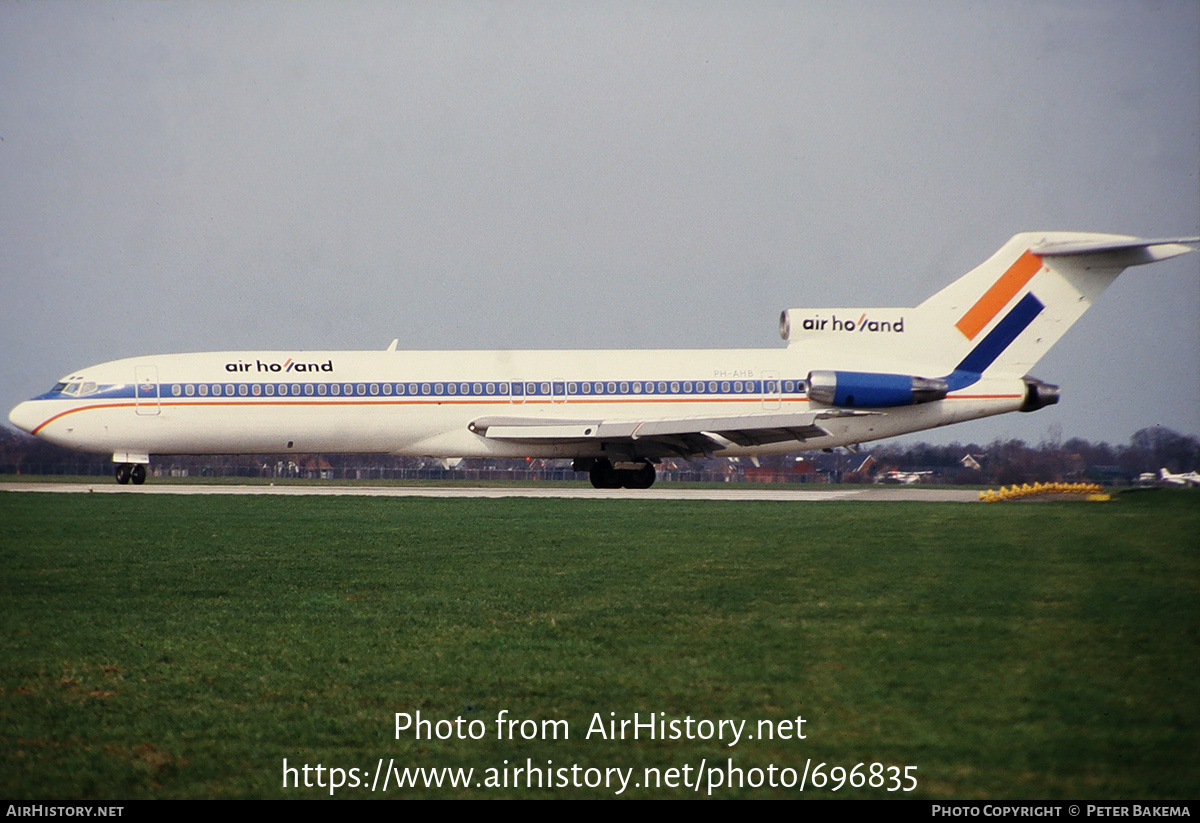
(164, 646)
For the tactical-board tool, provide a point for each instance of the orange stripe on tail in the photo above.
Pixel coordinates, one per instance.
(997, 297)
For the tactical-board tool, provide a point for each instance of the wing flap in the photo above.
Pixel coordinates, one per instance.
(684, 435)
(744, 430)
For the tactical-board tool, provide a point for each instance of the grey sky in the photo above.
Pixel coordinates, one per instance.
(209, 176)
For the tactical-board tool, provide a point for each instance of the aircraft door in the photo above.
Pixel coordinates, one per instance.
(146, 398)
(772, 391)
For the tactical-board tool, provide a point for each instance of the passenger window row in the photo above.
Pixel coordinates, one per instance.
(531, 389)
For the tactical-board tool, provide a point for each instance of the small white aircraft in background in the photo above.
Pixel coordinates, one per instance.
(1185, 479)
(847, 376)
(903, 478)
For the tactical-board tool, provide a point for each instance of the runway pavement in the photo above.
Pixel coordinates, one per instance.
(929, 494)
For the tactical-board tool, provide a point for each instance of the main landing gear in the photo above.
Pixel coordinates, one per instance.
(131, 473)
(605, 476)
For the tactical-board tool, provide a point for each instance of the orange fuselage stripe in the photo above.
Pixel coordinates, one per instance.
(997, 297)
(574, 401)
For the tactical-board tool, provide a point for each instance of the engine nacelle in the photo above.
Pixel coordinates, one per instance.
(867, 390)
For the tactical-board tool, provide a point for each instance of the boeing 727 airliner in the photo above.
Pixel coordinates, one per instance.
(847, 376)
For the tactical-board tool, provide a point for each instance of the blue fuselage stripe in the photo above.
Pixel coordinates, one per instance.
(500, 391)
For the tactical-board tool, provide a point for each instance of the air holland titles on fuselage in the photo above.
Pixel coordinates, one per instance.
(862, 324)
(290, 365)
(847, 375)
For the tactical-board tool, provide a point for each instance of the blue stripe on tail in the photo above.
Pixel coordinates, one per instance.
(998, 339)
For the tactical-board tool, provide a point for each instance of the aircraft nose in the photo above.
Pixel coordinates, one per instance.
(25, 416)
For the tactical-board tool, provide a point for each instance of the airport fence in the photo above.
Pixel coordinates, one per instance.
(369, 472)
(57, 469)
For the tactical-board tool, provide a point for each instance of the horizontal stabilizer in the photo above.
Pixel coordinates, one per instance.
(1139, 250)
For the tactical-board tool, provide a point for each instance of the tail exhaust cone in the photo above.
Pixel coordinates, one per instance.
(1038, 395)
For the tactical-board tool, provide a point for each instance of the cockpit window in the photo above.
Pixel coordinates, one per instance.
(76, 388)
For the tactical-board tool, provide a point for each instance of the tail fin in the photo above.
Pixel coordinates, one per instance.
(1010, 310)
(1000, 318)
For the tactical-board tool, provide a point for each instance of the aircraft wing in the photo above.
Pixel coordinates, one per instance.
(685, 436)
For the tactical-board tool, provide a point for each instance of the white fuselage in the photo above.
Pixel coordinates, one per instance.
(422, 403)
